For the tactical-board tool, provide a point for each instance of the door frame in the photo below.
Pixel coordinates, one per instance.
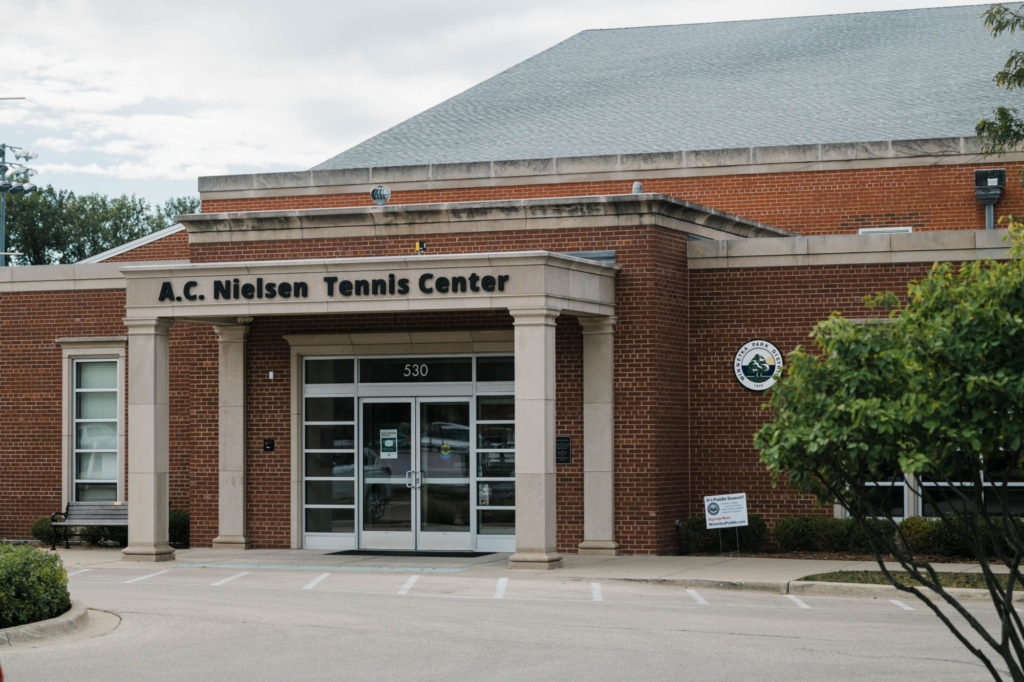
(415, 539)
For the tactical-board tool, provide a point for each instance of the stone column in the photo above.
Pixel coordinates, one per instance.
(535, 439)
(148, 494)
(598, 436)
(231, 440)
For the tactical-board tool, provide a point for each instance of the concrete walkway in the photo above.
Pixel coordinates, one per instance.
(723, 571)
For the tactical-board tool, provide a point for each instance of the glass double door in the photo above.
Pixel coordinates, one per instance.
(415, 473)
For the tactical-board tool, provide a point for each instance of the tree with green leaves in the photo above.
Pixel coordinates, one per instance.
(1004, 131)
(929, 399)
(53, 226)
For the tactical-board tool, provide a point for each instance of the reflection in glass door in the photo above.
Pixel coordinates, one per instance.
(388, 475)
(444, 459)
(416, 489)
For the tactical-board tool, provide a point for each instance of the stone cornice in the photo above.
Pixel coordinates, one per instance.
(918, 247)
(626, 210)
(744, 160)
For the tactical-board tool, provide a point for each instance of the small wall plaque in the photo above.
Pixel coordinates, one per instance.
(563, 449)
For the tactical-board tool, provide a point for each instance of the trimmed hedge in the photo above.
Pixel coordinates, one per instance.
(697, 538)
(33, 585)
(43, 531)
(178, 531)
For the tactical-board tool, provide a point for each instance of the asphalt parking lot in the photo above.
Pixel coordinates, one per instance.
(313, 616)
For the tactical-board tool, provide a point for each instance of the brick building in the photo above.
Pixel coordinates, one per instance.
(531, 346)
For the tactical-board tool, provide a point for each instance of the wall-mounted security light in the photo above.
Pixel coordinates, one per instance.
(380, 195)
(988, 189)
(638, 187)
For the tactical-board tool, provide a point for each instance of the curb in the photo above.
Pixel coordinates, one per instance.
(884, 591)
(74, 618)
(778, 587)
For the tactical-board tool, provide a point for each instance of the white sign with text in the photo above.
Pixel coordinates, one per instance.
(725, 511)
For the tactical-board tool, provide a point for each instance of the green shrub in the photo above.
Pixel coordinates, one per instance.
(955, 539)
(696, 536)
(751, 536)
(858, 538)
(793, 533)
(33, 585)
(178, 529)
(920, 535)
(827, 534)
(43, 531)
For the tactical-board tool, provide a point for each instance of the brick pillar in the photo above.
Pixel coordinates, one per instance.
(535, 439)
(148, 465)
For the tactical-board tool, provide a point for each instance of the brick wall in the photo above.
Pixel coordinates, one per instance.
(683, 424)
(30, 401)
(781, 305)
(171, 247)
(811, 202)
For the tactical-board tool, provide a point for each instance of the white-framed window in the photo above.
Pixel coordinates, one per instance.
(96, 425)
(94, 431)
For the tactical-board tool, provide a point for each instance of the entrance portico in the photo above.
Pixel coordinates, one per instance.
(534, 287)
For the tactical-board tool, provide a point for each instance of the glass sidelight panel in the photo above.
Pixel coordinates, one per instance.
(320, 520)
(496, 465)
(328, 462)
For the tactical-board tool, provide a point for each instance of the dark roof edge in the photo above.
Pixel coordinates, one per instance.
(552, 169)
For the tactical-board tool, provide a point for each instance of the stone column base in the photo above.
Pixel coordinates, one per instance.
(231, 542)
(535, 560)
(147, 553)
(599, 547)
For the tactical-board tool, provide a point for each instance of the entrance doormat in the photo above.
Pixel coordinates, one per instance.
(385, 552)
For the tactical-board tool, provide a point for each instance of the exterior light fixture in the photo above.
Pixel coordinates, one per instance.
(380, 195)
(14, 178)
(638, 187)
(988, 189)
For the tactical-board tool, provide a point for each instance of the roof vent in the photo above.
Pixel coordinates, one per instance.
(380, 195)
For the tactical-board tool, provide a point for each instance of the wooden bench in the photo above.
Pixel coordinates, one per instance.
(88, 514)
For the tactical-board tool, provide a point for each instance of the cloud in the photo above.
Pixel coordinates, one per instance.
(172, 90)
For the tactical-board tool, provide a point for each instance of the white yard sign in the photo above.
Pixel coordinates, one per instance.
(725, 511)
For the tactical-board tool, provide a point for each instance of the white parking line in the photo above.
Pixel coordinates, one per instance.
(81, 570)
(227, 580)
(499, 589)
(797, 601)
(696, 597)
(147, 577)
(408, 584)
(595, 591)
(900, 604)
(316, 581)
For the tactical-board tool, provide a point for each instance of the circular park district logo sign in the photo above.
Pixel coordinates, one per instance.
(758, 364)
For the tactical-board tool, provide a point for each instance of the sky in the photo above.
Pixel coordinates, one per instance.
(144, 97)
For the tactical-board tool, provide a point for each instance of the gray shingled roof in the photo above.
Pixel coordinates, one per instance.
(907, 74)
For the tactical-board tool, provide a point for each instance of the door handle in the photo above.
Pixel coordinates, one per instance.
(410, 479)
(419, 479)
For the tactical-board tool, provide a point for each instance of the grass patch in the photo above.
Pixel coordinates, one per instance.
(969, 580)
